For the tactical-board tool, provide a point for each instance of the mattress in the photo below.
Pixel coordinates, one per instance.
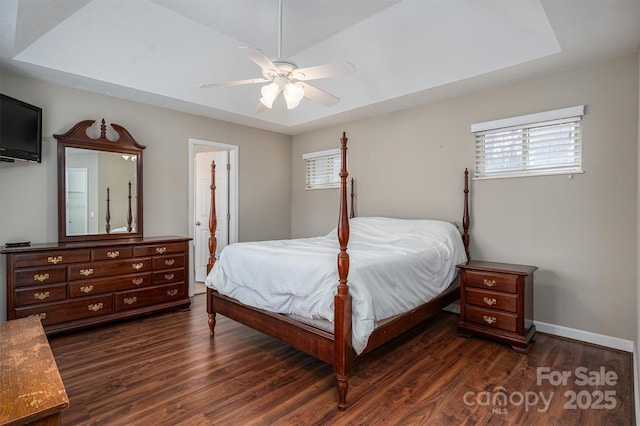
(395, 266)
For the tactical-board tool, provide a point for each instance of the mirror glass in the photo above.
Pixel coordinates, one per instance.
(101, 192)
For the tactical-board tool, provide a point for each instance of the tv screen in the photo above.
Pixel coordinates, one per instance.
(20, 130)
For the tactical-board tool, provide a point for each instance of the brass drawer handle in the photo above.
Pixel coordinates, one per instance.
(42, 316)
(161, 250)
(137, 266)
(40, 277)
(130, 300)
(490, 301)
(86, 272)
(54, 259)
(96, 307)
(168, 276)
(488, 319)
(169, 262)
(488, 282)
(86, 288)
(41, 296)
(172, 292)
(137, 281)
(113, 254)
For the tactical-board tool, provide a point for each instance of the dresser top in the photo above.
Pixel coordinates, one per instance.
(92, 244)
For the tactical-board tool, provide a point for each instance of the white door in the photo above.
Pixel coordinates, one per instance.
(76, 179)
(202, 166)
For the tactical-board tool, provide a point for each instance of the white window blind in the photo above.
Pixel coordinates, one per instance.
(536, 144)
(323, 169)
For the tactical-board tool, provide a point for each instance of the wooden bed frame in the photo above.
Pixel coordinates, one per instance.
(333, 348)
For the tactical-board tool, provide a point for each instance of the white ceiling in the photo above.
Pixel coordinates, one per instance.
(406, 52)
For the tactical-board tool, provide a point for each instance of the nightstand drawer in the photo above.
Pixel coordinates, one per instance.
(492, 318)
(492, 299)
(492, 281)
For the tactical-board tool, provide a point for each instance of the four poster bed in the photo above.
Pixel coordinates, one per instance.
(382, 250)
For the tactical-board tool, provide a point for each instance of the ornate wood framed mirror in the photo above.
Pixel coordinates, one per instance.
(99, 184)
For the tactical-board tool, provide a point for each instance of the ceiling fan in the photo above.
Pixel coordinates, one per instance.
(284, 76)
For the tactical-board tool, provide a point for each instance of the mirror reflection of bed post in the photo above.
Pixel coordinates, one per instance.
(107, 217)
(332, 337)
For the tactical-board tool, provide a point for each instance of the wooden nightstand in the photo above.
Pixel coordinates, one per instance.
(496, 301)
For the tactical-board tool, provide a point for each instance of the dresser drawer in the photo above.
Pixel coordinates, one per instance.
(158, 249)
(168, 262)
(492, 281)
(105, 285)
(492, 299)
(168, 276)
(85, 271)
(150, 296)
(51, 258)
(40, 294)
(54, 313)
(110, 253)
(491, 318)
(39, 276)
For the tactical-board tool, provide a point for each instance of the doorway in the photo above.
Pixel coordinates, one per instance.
(201, 153)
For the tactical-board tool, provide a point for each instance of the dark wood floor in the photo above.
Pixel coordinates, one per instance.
(164, 370)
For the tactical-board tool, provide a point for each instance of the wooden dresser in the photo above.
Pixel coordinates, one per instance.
(496, 301)
(75, 285)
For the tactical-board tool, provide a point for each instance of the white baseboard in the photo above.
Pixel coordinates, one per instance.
(585, 336)
(572, 333)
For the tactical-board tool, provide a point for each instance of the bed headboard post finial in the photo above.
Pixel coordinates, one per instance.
(465, 214)
(213, 220)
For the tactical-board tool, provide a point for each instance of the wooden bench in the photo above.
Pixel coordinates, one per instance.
(31, 389)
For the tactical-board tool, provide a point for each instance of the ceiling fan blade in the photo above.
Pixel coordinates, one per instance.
(261, 107)
(323, 71)
(233, 83)
(258, 56)
(319, 96)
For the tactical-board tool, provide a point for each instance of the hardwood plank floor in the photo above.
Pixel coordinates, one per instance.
(164, 370)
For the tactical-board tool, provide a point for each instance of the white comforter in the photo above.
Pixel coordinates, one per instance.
(395, 266)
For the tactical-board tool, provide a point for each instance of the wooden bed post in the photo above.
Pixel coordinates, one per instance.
(353, 210)
(343, 351)
(465, 214)
(213, 245)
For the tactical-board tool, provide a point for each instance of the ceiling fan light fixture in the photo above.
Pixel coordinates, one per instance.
(269, 94)
(293, 94)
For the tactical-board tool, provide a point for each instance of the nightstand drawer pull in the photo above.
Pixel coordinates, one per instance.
(54, 259)
(161, 250)
(86, 272)
(169, 262)
(172, 292)
(169, 276)
(41, 277)
(113, 254)
(490, 301)
(86, 288)
(488, 282)
(95, 307)
(488, 319)
(137, 281)
(41, 296)
(42, 316)
(137, 266)
(130, 300)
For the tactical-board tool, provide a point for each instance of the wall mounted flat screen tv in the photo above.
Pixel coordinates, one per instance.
(20, 130)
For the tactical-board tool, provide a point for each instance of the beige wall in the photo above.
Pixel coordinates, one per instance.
(28, 192)
(581, 232)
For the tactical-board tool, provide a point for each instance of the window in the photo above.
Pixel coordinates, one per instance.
(323, 169)
(536, 144)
